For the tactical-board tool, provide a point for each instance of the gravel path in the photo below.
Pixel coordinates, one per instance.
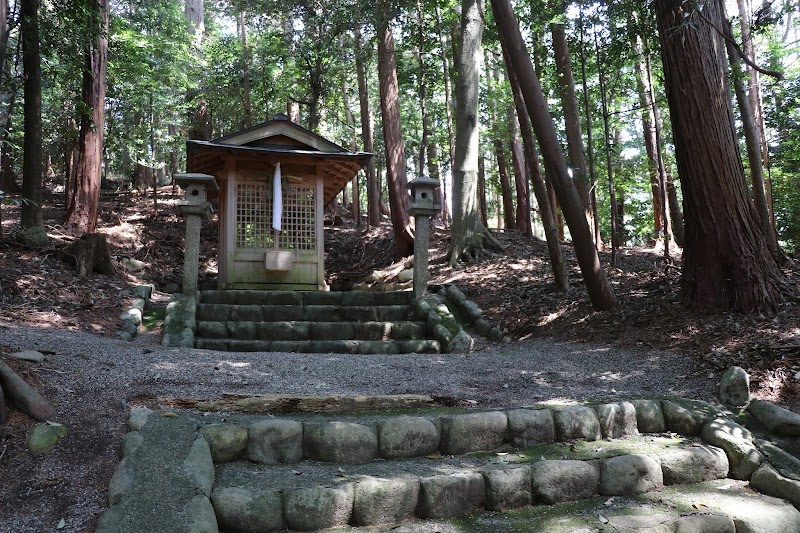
(92, 379)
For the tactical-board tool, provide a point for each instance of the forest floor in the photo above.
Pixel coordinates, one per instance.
(514, 290)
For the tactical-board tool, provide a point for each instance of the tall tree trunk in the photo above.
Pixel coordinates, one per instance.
(8, 181)
(32, 144)
(753, 144)
(469, 233)
(615, 236)
(373, 188)
(423, 91)
(499, 149)
(726, 261)
(392, 134)
(199, 113)
(521, 180)
(598, 239)
(675, 213)
(451, 143)
(3, 35)
(534, 171)
(248, 108)
(572, 119)
(355, 203)
(650, 144)
(600, 292)
(83, 216)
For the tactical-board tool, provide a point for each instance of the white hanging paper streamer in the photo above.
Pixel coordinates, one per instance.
(277, 199)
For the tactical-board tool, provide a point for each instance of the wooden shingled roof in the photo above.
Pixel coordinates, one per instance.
(299, 151)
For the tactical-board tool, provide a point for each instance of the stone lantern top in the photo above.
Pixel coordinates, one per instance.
(423, 197)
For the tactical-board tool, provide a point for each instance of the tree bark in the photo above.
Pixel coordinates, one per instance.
(32, 144)
(469, 233)
(753, 144)
(392, 134)
(600, 292)
(83, 216)
(423, 92)
(726, 262)
(373, 189)
(572, 119)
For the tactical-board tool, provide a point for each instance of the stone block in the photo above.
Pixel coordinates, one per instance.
(138, 418)
(247, 313)
(212, 330)
(199, 466)
(776, 419)
(384, 501)
(565, 480)
(142, 291)
(340, 442)
(358, 298)
(377, 347)
(734, 387)
(508, 488)
(212, 312)
(275, 441)
(330, 331)
(44, 437)
(680, 420)
(737, 441)
(451, 495)
(419, 346)
(617, 420)
(462, 342)
(131, 442)
(317, 508)
(630, 474)
(442, 334)
(693, 465)
(408, 436)
(326, 313)
(768, 480)
(242, 330)
(121, 483)
(200, 515)
(432, 320)
(473, 432)
(576, 423)
(227, 441)
(482, 326)
(649, 416)
(283, 331)
(407, 331)
(283, 298)
(704, 524)
(454, 294)
(471, 311)
(785, 463)
(239, 509)
(529, 427)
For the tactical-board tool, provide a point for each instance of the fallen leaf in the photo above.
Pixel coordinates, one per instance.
(61, 524)
(170, 415)
(434, 456)
(603, 519)
(609, 502)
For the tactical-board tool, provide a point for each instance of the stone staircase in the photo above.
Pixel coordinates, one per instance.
(310, 322)
(558, 469)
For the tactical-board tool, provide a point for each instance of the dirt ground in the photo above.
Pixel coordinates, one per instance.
(513, 289)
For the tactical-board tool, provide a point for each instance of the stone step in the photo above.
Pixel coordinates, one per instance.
(297, 331)
(301, 313)
(346, 298)
(321, 346)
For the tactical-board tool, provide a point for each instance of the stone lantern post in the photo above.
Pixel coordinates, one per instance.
(422, 207)
(194, 207)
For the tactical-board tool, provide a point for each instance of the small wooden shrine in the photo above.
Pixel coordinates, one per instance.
(264, 243)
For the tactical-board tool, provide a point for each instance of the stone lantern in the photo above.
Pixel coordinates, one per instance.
(195, 207)
(423, 206)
